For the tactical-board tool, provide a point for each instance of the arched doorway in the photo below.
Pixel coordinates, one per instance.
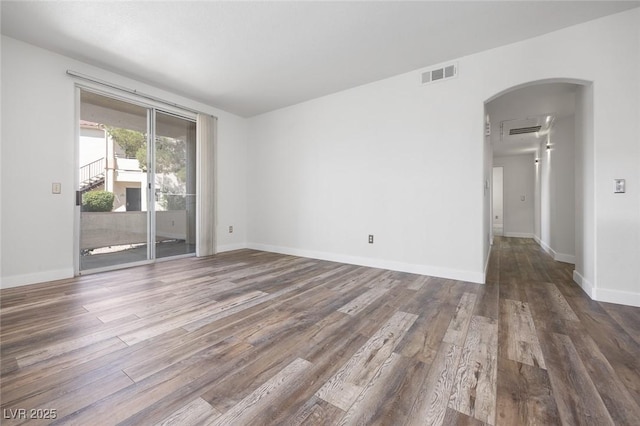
(541, 134)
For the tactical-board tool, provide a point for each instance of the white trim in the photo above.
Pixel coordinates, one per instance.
(566, 258)
(453, 274)
(620, 297)
(134, 92)
(518, 235)
(586, 286)
(76, 181)
(231, 247)
(560, 257)
(36, 278)
(117, 267)
(546, 247)
(486, 264)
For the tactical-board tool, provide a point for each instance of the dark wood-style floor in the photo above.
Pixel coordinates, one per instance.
(249, 337)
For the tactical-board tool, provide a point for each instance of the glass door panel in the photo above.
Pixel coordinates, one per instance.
(113, 182)
(174, 185)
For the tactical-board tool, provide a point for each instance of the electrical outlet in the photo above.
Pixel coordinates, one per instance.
(370, 239)
(56, 188)
(231, 229)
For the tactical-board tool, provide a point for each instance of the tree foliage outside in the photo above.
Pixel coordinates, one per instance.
(132, 142)
(171, 159)
(97, 201)
(170, 153)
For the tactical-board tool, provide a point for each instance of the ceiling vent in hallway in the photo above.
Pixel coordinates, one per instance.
(441, 73)
(527, 129)
(522, 130)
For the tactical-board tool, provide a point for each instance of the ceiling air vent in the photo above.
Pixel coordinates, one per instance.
(523, 130)
(440, 73)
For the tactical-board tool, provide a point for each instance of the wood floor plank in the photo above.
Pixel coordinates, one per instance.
(364, 408)
(424, 338)
(474, 388)
(457, 331)
(58, 371)
(456, 418)
(182, 317)
(431, 402)
(559, 303)
(487, 304)
(389, 396)
(223, 313)
(615, 395)
(345, 386)
(524, 395)
(326, 359)
(359, 303)
(518, 334)
(316, 412)
(628, 317)
(193, 413)
(74, 396)
(568, 374)
(419, 282)
(255, 403)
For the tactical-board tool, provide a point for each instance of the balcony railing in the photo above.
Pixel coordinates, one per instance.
(89, 171)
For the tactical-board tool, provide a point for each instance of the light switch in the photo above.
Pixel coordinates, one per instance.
(522, 198)
(619, 187)
(56, 188)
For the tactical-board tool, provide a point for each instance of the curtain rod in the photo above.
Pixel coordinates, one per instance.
(132, 91)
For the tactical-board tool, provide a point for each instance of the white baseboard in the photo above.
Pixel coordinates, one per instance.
(586, 286)
(35, 278)
(560, 257)
(230, 247)
(566, 258)
(518, 235)
(546, 247)
(486, 265)
(605, 295)
(469, 276)
(616, 296)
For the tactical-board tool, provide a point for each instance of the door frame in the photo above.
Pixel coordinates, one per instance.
(151, 216)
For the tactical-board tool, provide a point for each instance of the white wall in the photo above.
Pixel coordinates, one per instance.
(38, 110)
(518, 183)
(405, 162)
(546, 197)
(498, 197)
(584, 272)
(378, 159)
(562, 158)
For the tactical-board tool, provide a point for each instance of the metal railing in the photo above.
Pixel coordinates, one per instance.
(91, 170)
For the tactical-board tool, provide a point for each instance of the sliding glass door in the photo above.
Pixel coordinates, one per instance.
(175, 185)
(136, 174)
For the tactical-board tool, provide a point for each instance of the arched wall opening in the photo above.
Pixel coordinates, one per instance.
(550, 211)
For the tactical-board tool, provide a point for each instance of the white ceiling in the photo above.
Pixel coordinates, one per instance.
(252, 57)
(535, 102)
